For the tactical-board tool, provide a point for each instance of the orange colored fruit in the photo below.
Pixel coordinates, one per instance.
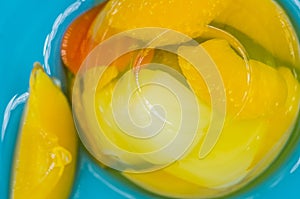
(188, 17)
(266, 23)
(46, 154)
(75, 43)
(78, 42)
(280, 123)
(251, 91)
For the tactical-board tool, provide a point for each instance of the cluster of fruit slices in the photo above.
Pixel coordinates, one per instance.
(253, 127)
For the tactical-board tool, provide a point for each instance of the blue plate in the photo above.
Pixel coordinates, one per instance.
(31, 31)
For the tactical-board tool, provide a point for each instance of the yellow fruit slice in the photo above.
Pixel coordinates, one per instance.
(110, 73)
(229, 65)
(252, 88)
(47, 147)
(268, 91)
(119, 100)
(280, 124)
(229, 160)
(226, 165)
(95, 95)
(189, 17)
(266, 23)
(167, 184)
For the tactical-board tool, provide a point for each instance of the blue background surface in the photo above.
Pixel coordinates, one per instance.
(25, 28)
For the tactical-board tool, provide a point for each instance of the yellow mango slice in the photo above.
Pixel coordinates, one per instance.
(110, 73)
(189, 17)
(229, 160)
(96, 96)
(117, 132)
(252, 88)
(46, 153)
(266, 23)
(280, 124)
(167, 184)
(227, 164)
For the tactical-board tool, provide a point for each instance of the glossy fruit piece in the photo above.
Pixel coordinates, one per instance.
(242, 144)
(235, 151)
(268, 91)
(46, 151)
(167, 184)
(281, 123)
(75, 44)
(109, 102)
(121, 15)
(229, 160)
(129, 60)
(227, 164)
(252, 88)
(268, 26)
(78, 42)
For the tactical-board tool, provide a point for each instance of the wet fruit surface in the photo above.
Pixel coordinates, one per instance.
(47, 147)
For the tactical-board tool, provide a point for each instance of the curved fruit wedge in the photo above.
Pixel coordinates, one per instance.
(111, 110)
(167, 184)
(75, 43)
(78, 42)
(251, 91)
(47, 147)
(229, 160)
(262, 118)
(280, 123)
(265, 23)
(189, 17)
